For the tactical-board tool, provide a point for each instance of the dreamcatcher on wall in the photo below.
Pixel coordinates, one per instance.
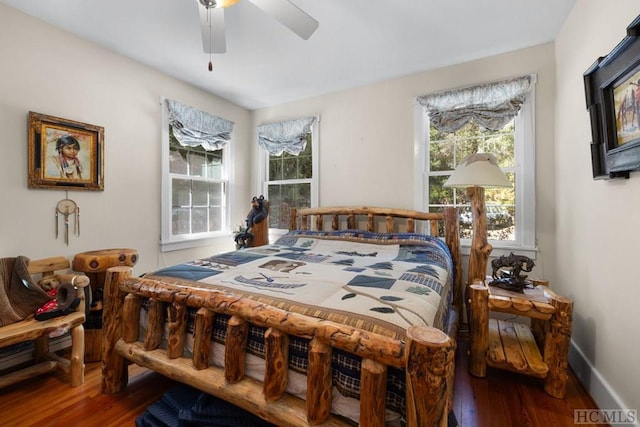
(68, 211)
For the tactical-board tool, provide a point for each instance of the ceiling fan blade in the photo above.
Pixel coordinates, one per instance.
(214, 40)
(289, 15)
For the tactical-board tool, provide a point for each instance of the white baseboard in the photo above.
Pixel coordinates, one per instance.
(597, 386)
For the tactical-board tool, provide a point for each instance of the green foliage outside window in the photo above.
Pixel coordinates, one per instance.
(289, 184)
(446, 150)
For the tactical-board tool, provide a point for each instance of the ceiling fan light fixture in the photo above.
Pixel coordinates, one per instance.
(227, 3)
(208, 3)
(211, 4)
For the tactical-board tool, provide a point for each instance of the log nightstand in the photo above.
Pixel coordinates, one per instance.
(540, 350)
(95, 264)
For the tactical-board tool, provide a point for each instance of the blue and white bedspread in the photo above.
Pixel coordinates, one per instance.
(379, 282)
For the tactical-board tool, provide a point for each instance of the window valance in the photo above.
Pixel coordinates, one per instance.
(289, 136)
(193, 127)
(490, 105)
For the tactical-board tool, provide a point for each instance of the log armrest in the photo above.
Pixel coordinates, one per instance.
(79, 281)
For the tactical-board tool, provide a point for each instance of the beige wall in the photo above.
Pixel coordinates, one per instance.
(52, 72)
(367, 136)
(597, 221)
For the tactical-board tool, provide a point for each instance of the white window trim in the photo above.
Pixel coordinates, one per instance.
(525, 185)
(173, 243)
(263, 162)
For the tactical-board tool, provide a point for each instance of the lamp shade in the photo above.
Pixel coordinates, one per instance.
(478, 170)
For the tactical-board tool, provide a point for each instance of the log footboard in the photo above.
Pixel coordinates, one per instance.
(427, 355)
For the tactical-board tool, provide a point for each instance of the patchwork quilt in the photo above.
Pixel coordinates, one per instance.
(380, 282)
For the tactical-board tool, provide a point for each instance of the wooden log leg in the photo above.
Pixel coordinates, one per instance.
(556, 348)
(539, 329)
(77, 356)
(452, 238)
(115, 374)
(177, 326)
(276, 345)
(40, 348)
(235, 349)
(373, 393)
(478, 329)
(155, 325)
(451, 380)
(131, 314)
(430, 352)
(318, 382)
(203, 327)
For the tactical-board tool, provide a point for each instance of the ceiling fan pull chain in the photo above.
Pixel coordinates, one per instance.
(209, 19)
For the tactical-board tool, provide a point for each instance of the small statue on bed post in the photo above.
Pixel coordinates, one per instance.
(256, 232)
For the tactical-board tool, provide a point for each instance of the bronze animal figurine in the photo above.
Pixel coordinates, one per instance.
(515, 264)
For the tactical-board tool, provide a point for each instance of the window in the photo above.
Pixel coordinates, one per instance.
(194, 185)
(290, 152)
(289, 183)
(510, 211)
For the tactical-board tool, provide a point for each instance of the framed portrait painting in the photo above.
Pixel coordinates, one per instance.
(65, 154)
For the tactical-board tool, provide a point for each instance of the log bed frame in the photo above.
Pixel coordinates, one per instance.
(427, 354)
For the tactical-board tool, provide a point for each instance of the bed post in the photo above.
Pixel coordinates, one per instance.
(115, 374)
(430, 356)
(452, 239)
(478, 328)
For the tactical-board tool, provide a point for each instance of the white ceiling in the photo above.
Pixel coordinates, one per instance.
(358, 41)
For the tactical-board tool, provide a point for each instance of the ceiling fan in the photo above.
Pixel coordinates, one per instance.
(285, 12)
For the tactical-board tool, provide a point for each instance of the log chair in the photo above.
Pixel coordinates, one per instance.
(39, 331)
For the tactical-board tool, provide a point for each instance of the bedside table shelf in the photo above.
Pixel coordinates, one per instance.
(513, 347)
(541, 350)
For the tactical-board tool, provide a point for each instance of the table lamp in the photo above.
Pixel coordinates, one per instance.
(475, 172)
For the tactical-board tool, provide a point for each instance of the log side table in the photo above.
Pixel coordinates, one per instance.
(540, 350)
(95, 264)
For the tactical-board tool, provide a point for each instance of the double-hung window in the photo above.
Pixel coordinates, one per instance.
(290, 150)
(195, 160)
(492, 118)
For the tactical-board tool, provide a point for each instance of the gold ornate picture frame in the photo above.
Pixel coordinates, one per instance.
(65, 154)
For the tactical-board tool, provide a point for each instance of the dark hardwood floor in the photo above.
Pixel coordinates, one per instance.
(500, 399)
(506, 399)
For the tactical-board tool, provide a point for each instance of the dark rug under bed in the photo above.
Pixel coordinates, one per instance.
(184, 406)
